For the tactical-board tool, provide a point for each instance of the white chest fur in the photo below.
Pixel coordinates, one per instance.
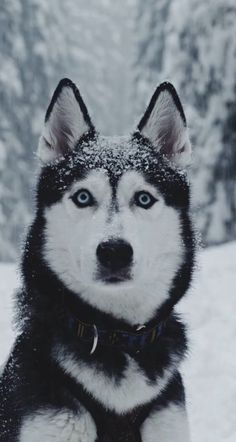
(133, 389)
(167, 425)
(54, 426)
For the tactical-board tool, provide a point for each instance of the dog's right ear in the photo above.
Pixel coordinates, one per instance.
(66, 121)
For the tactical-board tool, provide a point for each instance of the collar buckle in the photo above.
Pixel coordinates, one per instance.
(140, 327)
(95, 339)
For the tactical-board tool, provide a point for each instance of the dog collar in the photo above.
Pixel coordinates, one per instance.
(135, 341)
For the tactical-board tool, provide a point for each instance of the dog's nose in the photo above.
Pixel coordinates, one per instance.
(115, 254)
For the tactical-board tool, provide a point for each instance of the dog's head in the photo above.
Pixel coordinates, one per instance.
(116, 227)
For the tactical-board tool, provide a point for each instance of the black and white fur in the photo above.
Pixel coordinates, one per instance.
(52, 388)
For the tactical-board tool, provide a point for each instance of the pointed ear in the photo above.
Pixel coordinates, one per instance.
(164, 124)
(66, 121)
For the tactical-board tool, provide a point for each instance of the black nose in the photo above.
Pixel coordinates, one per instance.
(115, 254)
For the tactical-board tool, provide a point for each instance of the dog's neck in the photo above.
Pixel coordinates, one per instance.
(131, 342)
(87, 328)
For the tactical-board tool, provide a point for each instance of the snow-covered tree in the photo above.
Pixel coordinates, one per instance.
(41, 42)
(201, 57)
(197, 52)
(99, 36)
(149, 48)
(24, 84)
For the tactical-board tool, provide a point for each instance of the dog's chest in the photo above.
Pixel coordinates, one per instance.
(121, 395)
(168, 425)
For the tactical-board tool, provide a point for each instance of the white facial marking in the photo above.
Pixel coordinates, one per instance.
(73, 234)
(133, 389)
(55, 426)
(167, 425)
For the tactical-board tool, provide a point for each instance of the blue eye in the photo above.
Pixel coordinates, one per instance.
(83, 198)
(144, 199)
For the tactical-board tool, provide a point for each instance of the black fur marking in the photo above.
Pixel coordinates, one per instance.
(162, 87)
(114, 207)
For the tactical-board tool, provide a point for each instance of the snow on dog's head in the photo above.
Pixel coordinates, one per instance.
(116, 224)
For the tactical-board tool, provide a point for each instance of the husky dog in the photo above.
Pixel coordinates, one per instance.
(109, 254)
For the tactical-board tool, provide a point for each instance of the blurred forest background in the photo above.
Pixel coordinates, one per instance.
(117, 52)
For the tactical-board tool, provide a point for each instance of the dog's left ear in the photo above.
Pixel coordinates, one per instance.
(66, 121)
(164, 124)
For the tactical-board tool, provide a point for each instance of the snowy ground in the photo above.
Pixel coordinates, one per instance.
(210, 371)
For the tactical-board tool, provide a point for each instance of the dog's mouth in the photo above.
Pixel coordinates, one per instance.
(113, 278)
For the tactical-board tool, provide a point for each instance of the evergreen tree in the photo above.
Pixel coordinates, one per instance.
(41, 42)
(99, 44)
(24, 86)
(149, 48)
(197, 52)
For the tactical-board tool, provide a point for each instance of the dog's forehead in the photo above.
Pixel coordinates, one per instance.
(112, 155)
(115, 155)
